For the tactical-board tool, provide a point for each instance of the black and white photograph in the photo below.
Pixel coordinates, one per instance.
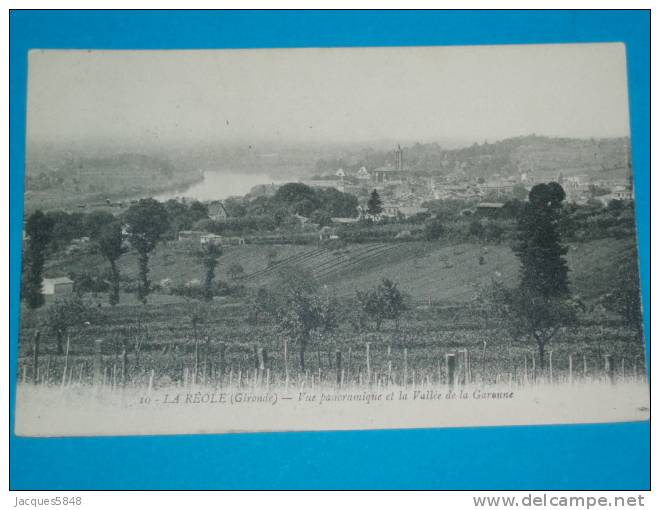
(302, 239)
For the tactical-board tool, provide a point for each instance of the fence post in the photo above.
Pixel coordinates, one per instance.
(47, 375)
(256, 356)
(368, 364)
(66, 361)
(405, 367)
(261, 361)
(338, 367)
(35, 357)
(286, 363)
(389, 365)
(98, 361)
(570, 369)
(463, 368)
(450, 367)
(609, 367)
(483, 362)
(208, 365)
(466, 368)
(223, 347)
(195, 374)
(550, 363)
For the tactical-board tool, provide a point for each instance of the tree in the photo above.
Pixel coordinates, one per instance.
(433, 229)
(235, 270)
(66, 227)
(385, 301)
(476, 229)
(539, 246)
(65, 313)
(393, 300)
(111, 245)
(336, 203)
(38, 228)
(297, 197)
(541, 304)
(625, 298)
(303, 313)
(519, 192)
(263, 303)
(147, 222)
(321, 218)
(374, 205)
(528, 314)
(94, 222)
(198, 211)
(300, 310)
(209, 254)
(294, 192)
(178, 216)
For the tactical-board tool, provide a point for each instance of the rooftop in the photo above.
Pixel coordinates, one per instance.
(490, 205)
(59, 279)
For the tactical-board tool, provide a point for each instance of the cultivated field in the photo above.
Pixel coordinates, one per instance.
(440, 271)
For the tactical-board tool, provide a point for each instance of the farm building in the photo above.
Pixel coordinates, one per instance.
(233, 241)
(217, 211)
(344, 221)
(210, 239)
(408, 211)
(619, 194)
(489, 209)
(390, 211)
(194, 236)
(57, 286)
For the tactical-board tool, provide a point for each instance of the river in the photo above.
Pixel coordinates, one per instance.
(218, 186)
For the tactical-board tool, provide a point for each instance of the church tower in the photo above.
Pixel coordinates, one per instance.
(398, 154)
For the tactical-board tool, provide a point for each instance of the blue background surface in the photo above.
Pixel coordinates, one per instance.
(610, 456)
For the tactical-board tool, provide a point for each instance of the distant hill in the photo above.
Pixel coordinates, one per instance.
(63, 180)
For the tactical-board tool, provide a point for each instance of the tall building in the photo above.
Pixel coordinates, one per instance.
(398, 154)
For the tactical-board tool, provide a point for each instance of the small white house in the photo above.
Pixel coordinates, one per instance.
(193, 236)
(57, 286)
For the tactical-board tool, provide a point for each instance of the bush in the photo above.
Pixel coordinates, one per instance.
(88, 281)
(196, 290)
(433, 230)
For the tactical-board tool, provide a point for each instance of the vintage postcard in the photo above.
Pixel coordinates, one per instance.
(328, 239)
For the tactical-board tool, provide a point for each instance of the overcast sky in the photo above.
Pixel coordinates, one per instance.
(329, 95)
